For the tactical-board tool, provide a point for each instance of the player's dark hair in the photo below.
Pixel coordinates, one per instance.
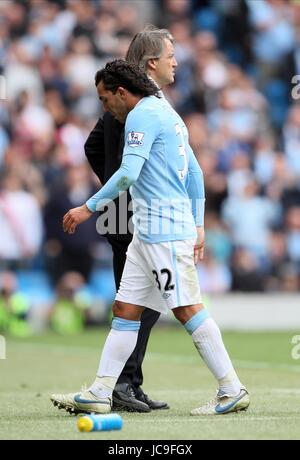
(121, 73)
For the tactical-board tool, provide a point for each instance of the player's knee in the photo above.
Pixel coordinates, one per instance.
(184, 314)
(126, 311)
(118, 309)
(179, 316)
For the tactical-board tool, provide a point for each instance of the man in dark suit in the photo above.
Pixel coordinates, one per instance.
(152, 49)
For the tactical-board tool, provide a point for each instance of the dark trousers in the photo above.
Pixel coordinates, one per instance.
(132, 372)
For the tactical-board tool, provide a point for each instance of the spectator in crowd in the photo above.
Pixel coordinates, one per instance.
(293, 235)
(67, 253)
(20, 222)
(214, 276)
(70, 311)
(278, 258)
(246, 271)
(291, 139)
(249, 218)
(274, 35)
(14, 307)
(217, 238)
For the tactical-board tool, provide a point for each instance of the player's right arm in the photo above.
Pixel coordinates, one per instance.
(137, 148)
(199, 246)
(123, 178)
(126, 175)
(196, 192)
(141, 130)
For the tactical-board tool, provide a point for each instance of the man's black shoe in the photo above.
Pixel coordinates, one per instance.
(124, 399)
(154, 405)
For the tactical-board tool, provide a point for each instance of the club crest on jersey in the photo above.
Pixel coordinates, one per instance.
(135, 139)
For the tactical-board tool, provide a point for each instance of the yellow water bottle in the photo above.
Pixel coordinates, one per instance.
(107, 422)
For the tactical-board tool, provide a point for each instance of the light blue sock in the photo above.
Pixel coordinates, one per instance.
(208, 340)
(120, 324)
(192, 324)
(119, 345)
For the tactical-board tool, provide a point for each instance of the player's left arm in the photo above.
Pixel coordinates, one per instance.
(196, 192)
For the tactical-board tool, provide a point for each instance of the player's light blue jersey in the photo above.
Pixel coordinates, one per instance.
(161, 200)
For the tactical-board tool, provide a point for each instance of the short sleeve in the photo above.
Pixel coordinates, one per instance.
(142, 128)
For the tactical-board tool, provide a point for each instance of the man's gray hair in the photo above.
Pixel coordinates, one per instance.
(147, 44)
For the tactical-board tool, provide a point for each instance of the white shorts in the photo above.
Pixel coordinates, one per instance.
(160, 276)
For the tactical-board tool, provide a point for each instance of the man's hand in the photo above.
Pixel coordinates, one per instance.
(199, 246)
(75, 217)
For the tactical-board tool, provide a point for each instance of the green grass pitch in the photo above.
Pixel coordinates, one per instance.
(39, 366)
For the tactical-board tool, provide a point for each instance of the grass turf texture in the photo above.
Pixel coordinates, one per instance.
(39, 366)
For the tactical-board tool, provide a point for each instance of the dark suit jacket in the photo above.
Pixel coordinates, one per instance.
(104, 150)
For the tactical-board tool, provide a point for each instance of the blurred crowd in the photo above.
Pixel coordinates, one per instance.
(236, 60)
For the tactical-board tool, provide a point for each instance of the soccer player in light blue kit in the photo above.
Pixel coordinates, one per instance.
(168, 199)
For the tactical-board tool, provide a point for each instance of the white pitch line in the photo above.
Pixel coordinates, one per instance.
(213, 418)
(261, 391)
(177, 359)
(267, 365)
(283, 391)
(162, 357)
